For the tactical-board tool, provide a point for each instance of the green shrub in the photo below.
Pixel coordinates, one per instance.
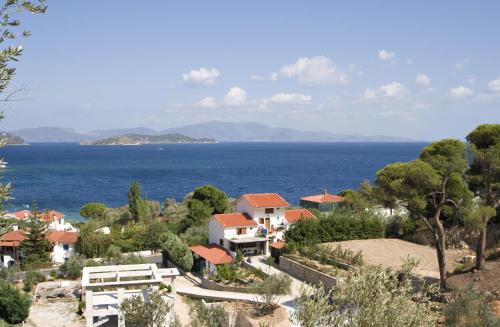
(471, 309)
(32, 278)
(227, 272)
(178, 251)
(340, 225)
(72, 268)
(14, 306)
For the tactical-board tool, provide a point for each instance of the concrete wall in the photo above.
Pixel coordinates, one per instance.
(306, 274)
(211, 285)
(59, 254)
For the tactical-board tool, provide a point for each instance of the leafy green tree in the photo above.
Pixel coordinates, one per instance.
(195, 235)
(32, 278)
(93, 210)
(199, 212)
(213, 315)
(72, 268)
(471, 309)
(36, 247)
(14, 306)
(137, 205)
(269, 291)
(91, 243)
(213, 198)
(430, 187)
(178, 251)
(484, 176)
(153, 313)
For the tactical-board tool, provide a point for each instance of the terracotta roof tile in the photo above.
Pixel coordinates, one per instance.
(278, 245)
(234, 219)
(22, 214)
(63, 237)
(292, 216)
(15, 235)
(213, 253)
(49, 216)
(323, 198)
(265, 200)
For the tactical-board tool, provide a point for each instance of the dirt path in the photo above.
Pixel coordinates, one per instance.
(391, 252)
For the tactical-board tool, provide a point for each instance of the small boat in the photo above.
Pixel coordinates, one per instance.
(3, 165)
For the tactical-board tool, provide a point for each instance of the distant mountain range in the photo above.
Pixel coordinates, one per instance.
(136, 139)
(221, 131)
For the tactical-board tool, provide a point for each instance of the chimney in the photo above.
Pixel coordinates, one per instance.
(15, 227)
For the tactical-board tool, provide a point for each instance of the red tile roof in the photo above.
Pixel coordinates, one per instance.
(292, 216)
(22, 214)
(15, 235)
(278, 245)
(63, 237)
(265, 200)
(323, 198)
(49, 216)
(213, 253)
(234, 219)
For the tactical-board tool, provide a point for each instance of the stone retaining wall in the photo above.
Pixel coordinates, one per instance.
(211, 285)
(306, 274)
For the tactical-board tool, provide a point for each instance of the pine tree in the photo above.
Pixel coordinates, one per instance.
(36, 247)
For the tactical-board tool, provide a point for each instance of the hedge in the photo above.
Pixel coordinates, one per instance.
(340, 225)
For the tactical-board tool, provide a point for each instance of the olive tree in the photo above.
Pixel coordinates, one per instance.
(430, 187)
(153, 313)
(372, 296)
(269, 291)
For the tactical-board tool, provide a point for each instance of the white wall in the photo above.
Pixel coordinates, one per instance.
(59, 254)
(277, 217)
(215, 231)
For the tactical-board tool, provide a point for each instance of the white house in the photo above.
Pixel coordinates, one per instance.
(63, 245)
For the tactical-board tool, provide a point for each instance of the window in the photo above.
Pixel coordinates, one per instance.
(65, 247)
(261, 221)
(241, 231)
(221, 242)
(269, 210)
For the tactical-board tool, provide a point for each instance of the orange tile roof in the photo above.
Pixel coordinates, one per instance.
(213, 253)
(49, 216)
(278, 244)
(234, 219)
(292, 216)
(265, 200)
(15, 235)
(323, 198)
(63, 237)
(22, 214)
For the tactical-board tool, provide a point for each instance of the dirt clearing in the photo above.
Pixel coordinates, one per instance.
(390, 252)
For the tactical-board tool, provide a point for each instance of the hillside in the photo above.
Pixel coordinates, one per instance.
(10, 139)
(128, 139)
(221, 131)
(257, 132)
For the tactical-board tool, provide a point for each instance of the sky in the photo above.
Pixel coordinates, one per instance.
(424, 70)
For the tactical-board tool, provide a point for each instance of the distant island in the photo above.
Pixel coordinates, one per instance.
(138, 139)
(11, 139)
(216, 130)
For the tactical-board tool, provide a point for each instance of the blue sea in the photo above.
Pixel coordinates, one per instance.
(64, 176)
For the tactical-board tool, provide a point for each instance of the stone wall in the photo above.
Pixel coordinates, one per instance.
(306, 274)
(211, 285)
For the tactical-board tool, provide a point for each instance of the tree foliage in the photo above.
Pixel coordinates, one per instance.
(373, 296)
(137, 204)
(36, 247)
(153, 313)
(269, 291)
(431, 187)
(178, 251)
(93, 210)
(484, 176)
(212, 197)
(14, 306)
(341, 225)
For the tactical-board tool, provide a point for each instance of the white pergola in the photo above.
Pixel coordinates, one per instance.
(105, 287)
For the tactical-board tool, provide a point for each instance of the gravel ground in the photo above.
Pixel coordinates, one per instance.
(390, 252)
(55, 314)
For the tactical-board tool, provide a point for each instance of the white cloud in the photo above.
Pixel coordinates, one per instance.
(257, 77)
(423, 80)
(459, 65)
(460, 92)
(236, 96)
(273, 76)
(409, 62)
(385, 55)
(286, 99)
(312, 71)
(393, 90)
(201, 77)
(494, 86)
(208, 102)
